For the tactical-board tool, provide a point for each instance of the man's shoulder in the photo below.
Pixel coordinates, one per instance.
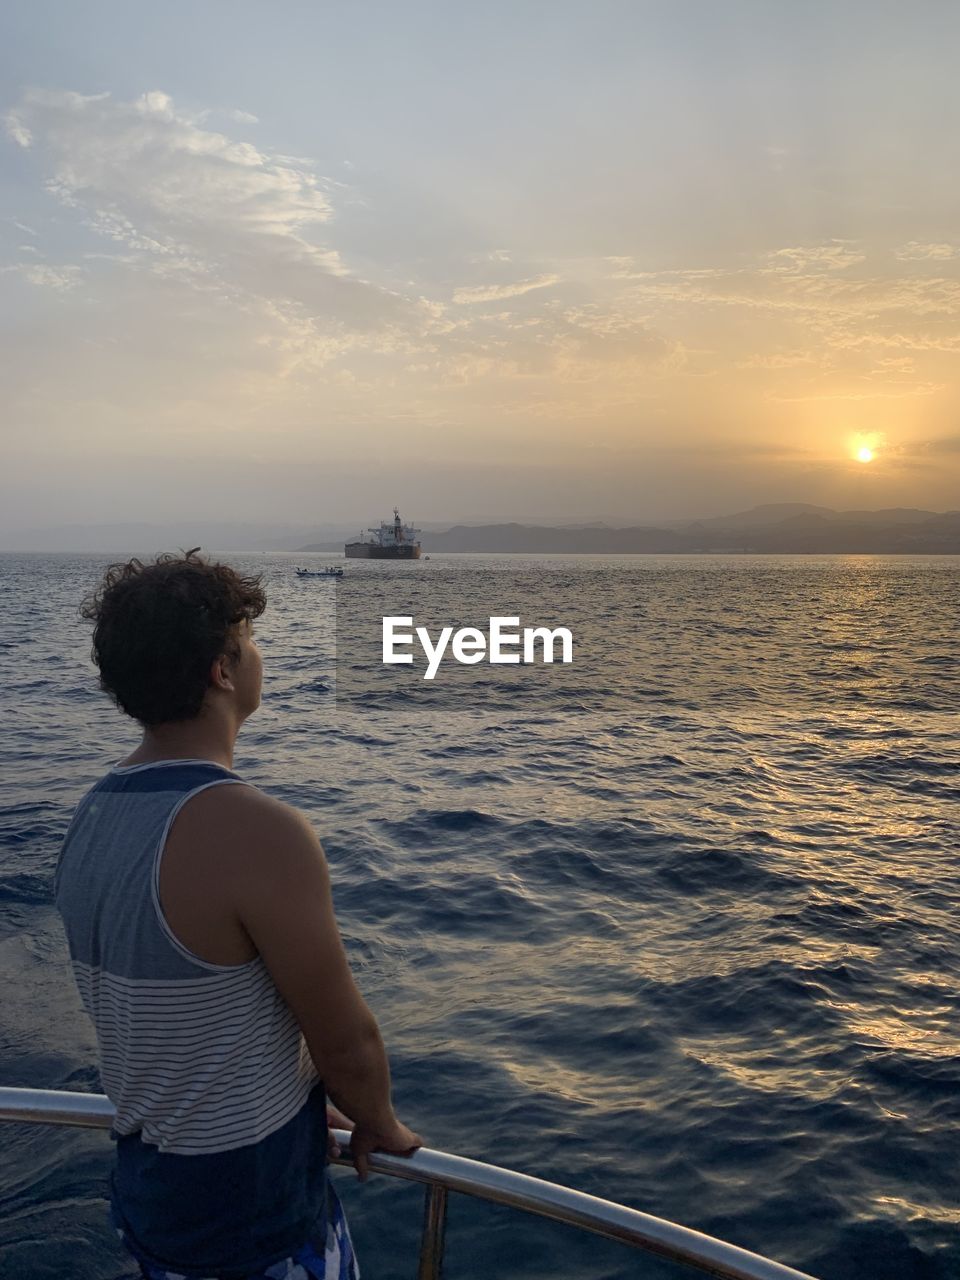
(255, 848)
(237, 802)
(241, 818)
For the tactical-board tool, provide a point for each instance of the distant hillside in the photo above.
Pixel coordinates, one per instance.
(535, 539)
(777, 513)
(789, 528)
(793, 527)
(763, 516)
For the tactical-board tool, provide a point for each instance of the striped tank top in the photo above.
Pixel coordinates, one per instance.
(221, 1126)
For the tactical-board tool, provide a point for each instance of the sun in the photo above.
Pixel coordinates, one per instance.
(866, 446)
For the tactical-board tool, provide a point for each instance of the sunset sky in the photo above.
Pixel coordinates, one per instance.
(515, 261)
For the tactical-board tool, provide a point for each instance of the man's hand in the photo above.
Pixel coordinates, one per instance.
(335, 1120)
(398, 1141)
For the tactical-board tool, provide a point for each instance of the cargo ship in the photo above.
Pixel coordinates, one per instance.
(396, 541)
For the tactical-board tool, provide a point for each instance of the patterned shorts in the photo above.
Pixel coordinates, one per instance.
(338, 1261)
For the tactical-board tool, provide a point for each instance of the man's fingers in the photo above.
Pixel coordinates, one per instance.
(412, 1150)
(336, 1119)
(363, 1142)
(360, 1150)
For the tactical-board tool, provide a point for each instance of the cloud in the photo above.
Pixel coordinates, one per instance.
(915, 251)
(945, 445)
(816, 260)
(835, 256)
(218, 290)
(904, 393)
(496, 292)
(59, 278)
(776, 360)
(146, 156)
(819, 297)
(490, 255)
(592, 338)
(17, 130)
(870, 335)
(220, 260)
(192, 201)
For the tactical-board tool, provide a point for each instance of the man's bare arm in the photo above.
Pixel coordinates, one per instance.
(280, 890)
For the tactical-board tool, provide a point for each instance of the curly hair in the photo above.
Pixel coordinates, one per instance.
(159, 627)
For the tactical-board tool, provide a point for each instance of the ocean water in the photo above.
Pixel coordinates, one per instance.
(678, 924)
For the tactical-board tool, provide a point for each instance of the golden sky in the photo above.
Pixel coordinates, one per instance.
(624, 264)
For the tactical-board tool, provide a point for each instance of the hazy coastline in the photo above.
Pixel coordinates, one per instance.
(775, 529)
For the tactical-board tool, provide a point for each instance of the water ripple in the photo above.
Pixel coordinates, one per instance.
(681, 929)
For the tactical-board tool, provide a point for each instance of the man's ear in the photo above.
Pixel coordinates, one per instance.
(220, 672)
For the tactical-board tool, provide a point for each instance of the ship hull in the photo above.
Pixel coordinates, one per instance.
(370, 551)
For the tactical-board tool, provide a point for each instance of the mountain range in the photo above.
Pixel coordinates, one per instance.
(784, 528)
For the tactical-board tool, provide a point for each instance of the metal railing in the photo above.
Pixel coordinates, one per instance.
(443, 1173)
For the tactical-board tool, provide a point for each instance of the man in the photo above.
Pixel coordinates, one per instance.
(201, 929)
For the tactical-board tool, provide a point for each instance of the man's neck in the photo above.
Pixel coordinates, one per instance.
(192, 740)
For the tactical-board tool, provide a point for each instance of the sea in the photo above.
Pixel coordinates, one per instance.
(676, 923)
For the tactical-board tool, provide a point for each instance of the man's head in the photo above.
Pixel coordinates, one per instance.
(171, 636)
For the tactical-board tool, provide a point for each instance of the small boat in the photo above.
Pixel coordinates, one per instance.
(329, 572)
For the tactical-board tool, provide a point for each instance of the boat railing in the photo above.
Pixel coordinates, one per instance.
(442, 1173)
